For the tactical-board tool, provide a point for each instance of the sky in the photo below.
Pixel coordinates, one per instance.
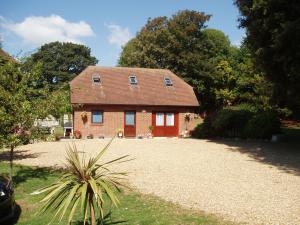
(103, 26)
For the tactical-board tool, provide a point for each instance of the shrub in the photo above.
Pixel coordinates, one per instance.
(230, 122)
(90, 136)
(234, 122)
(203, 130)
(246, 107)
(51, 137)
(262, 125)
(58, 132)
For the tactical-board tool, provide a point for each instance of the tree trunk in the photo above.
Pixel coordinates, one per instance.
(92, 212)
(11, 158)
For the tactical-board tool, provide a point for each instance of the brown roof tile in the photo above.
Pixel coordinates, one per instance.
(115, 88)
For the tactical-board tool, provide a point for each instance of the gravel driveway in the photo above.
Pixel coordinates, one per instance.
(213, 177)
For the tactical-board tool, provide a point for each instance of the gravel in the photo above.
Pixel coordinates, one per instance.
(198, 174)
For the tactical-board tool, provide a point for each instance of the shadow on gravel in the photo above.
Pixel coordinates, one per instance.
(285, 156)
(18, 155)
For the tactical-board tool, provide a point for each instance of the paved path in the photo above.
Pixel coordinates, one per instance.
(237, 181)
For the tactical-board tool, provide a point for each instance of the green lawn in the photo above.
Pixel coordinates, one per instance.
(292, 133)
(135, 208)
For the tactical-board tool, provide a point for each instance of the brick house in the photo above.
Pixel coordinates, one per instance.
(108, 99)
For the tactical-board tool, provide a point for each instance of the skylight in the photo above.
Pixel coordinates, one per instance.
(132, 80)
(96, 79)
(168, 82)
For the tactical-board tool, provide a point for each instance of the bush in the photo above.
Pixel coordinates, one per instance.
(238, 123)
(58, 132)
(247, 107)
(230, 122)
(203, 130)
(51, 137)
(262, 125)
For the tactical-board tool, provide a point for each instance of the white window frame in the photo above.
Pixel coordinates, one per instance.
(96, 76)
(168, 81)
(135, 82)
(162, 122)
(172, 124)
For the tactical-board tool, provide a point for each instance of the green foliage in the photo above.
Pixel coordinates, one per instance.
(221, 74)
(175, 43)
(243, 122)
(60, 62)
(273, 35)
(58, 132)
(51, 137)
(230, 123)
(84, 184)
(203, 130)
(20, 103)
(262, 125)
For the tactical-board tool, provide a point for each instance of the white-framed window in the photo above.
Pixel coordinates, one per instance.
(97, 116)
(170, 119)
(132, 80)
(96, 79)
(160, 119)
(168, 82)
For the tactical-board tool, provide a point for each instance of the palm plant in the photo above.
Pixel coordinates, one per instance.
(85, 182)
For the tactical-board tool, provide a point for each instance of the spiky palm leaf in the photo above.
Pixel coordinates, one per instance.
(84, 183)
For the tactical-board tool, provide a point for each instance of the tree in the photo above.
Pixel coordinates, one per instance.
(273, 34)
(217, 44)
(21, 102)
(61, 62)
(221, 74)
(176, 43)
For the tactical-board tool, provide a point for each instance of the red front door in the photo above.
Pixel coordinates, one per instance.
(129, 124)
(165, 124)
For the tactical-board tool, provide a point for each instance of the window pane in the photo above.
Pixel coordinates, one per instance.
(160, 119)
(170, 119)
(168, 82)
(133, 80)
(129, 118)
(97, 117)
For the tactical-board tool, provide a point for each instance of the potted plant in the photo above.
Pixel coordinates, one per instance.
(150, 135)
(120, 133)
(187, 119)
(77, 134)
(84, 116)
(90, 136)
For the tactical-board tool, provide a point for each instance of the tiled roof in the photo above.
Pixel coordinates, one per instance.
(115, 88)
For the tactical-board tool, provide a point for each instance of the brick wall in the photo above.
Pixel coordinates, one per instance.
(183, 124)
(113, 119)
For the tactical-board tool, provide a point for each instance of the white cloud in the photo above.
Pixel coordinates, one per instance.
(118, 35)
(38, 30)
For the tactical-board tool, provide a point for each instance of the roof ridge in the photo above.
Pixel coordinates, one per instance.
(124, 67)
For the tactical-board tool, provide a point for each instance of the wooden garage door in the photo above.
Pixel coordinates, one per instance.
(165, 124)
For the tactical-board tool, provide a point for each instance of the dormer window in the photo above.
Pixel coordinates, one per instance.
(96, 79)
(168, 82)
(132, 80)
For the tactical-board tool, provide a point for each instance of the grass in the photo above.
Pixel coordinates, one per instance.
(135, 208)
(292, 131)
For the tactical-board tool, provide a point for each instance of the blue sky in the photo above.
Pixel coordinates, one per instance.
(104, 26)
